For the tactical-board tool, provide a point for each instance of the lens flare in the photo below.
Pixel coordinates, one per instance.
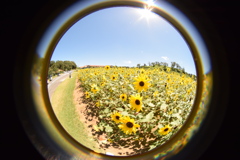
(146, 12)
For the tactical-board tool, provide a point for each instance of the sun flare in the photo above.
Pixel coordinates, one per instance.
(146, 12)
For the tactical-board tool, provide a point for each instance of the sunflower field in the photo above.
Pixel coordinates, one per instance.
(137, 108)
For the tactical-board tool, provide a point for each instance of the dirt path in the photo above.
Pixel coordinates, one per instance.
(84, 109)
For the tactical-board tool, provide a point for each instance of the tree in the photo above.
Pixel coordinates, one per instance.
(173, 64)
(51, 63)
(55, 67)
(183, 70)
(60, 65)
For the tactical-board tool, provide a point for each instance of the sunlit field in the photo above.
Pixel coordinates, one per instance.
(137, 108)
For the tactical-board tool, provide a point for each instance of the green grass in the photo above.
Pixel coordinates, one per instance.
(65, 110)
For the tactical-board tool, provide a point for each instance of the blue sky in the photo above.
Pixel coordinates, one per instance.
(123, 36)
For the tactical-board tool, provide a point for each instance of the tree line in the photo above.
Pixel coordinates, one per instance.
(174, 67)
(56, 67)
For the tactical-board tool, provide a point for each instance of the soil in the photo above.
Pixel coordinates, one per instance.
(84, 110)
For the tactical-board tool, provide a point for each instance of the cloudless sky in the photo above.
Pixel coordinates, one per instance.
(123, 36)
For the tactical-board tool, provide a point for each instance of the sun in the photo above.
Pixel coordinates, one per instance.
(146, 12)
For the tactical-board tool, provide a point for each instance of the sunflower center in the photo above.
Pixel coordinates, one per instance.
(123, 97)
(137, 102)
(129, 124)
(165, 130)
(117, 117)
(141, 83)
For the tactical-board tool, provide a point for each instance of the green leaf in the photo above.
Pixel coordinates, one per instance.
(106, 110)
(160, 126)
(119, 109)
(108, 128)
(148, 117)
(151, 104)
(163, 106)
(140, 115)
(125, 113)
(131, 86)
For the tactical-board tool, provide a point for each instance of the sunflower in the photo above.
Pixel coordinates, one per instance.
(104, 78)
(167, 100)
(128, 126)
(107, 67)
(155, 93)
(168, 69)
(97, 104)
(94, 88)
(123, 97)
(189, 91)
(136, 102)
(165, 130)
(110, 140)
(116, 117)
(142, 71)
(113, 77)
(87, 95)
(170, 112)
(102, 84)
(141, 83)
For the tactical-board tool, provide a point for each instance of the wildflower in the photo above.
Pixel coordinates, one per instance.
(87, 94)
(113, 77)
(155, 93)
(141, 83)
(98, 104)
(128, 126)
(107, 67)
(142, 71)
(165, 130)
(104, 78)
(138, 139)
(102, 84)
(94, 88)
(136, 102)
(170, 112)
(167, 100)
(116, 117)
(189, 91)
(123, 97)
(110, 140)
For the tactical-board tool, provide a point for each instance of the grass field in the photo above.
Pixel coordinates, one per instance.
(65, 110)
